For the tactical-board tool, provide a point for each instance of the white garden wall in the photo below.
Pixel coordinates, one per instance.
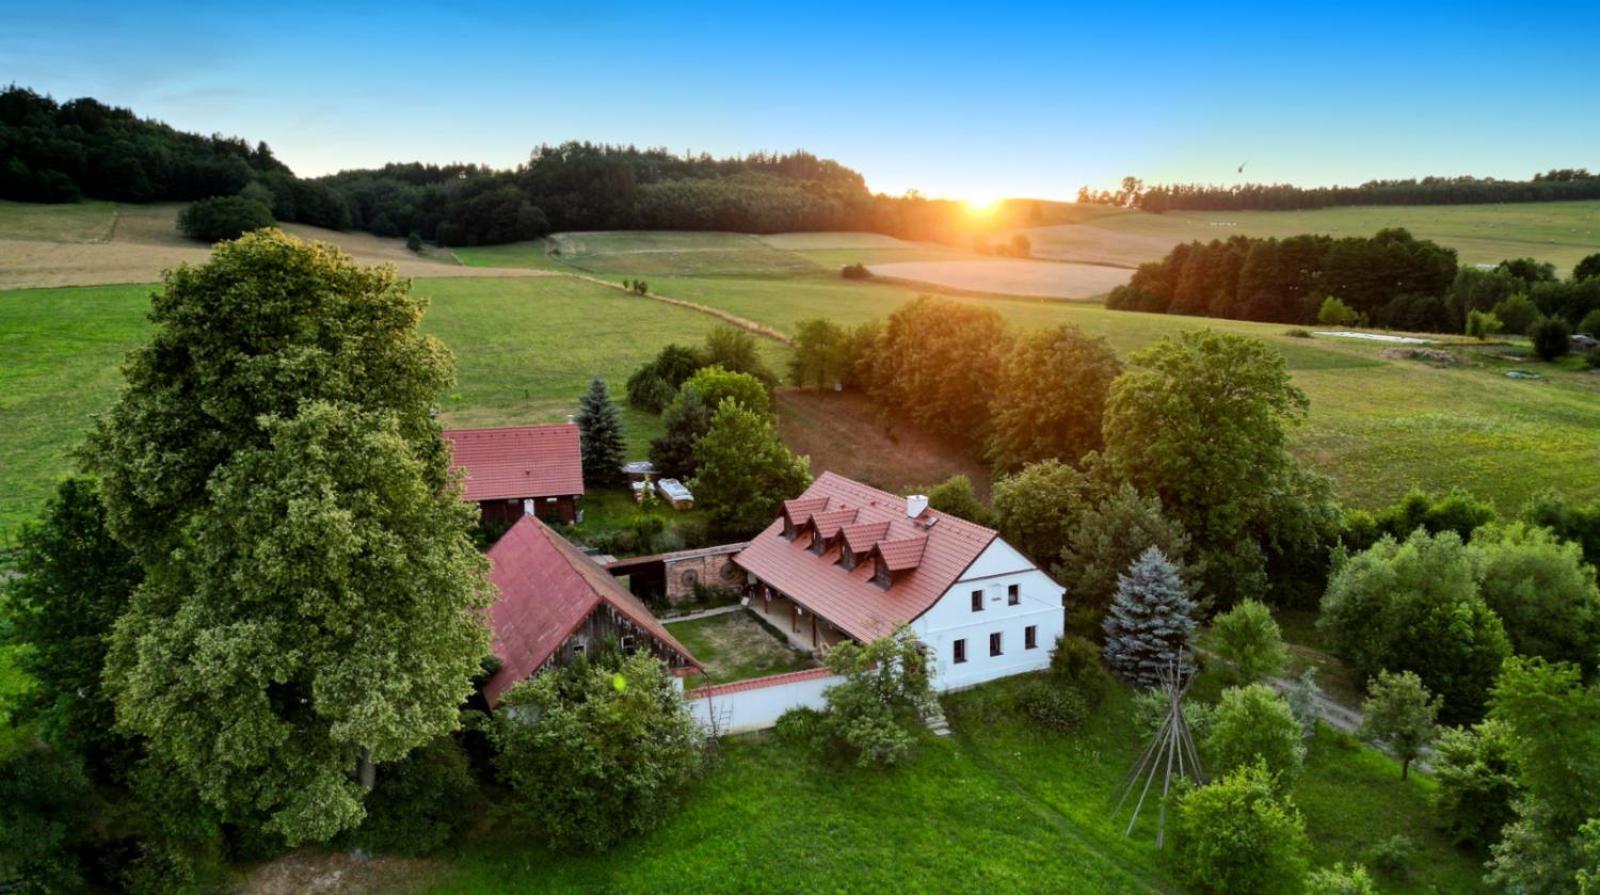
(755, 704)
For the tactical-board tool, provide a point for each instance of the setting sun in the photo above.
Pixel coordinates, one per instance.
(981, 206)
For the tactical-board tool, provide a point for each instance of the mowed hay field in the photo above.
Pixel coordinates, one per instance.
(92, 243)
(1561, 233)
(525, 349)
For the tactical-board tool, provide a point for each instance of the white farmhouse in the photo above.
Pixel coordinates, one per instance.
(845, 560)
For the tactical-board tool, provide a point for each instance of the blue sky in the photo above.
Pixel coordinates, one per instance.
(971, 100)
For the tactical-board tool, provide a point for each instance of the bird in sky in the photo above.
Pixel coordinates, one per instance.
(1241, 167)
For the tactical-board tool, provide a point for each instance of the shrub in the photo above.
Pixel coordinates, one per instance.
(421, 802)
(956, 496)
(1150, 709)
(1392, 857)
(1052, 705)
(1483, 324)
(1590, 324)
(1516, 313)
(855, 272)
(1237, 835)
(800, 726)
(1476, 783)
(1297, 332)
(886, 684)
(594, 754)
(1551, 337)
(1592, 358)
(1336, 313)
(223, 217)
(1249, 640)
(44, 795)
(414, 241)
(1543, 591)
(1075, 662)
(1254, 725)
(1340, 879)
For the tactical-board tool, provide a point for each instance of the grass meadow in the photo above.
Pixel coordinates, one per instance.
(999, 806)
(525, 349)
(1558, 232)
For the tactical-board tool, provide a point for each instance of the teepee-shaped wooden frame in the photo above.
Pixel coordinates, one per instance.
(1171, 752)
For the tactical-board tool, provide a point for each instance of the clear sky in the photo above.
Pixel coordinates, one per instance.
(976, 100)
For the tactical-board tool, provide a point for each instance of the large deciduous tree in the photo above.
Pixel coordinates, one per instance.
(1543, 591)
(821, 354)
(312, 600)
(1037, 508)
(1553, 728)
(600, 435)
(744, 472)
(1050, 397)
(1200, 423)
(1415, 606)
(937, 360)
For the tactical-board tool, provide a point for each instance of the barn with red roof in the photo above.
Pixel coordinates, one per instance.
(848, 561)
(556, 603)
(514, 471)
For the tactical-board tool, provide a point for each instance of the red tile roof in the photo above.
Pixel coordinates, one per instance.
(828, 523)
(849, 599)
(863, 535)
(758, 683)
(518, 461)
(547, 589)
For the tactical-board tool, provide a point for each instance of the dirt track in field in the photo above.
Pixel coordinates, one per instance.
(144, 241)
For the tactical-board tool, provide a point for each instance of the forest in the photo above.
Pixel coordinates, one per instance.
(1556, 185)
(1391, 279)
(63, 152)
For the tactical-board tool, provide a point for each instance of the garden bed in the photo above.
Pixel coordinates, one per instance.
(736, 646)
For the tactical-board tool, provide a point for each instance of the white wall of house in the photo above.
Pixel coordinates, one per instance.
(952, 619)
(758, 707)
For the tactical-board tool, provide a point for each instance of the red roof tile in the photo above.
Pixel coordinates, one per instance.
(518, 461)
(758, 683)
(903, 553)
(849, 599)
(828, 523)
(863, 535)
(547, 589)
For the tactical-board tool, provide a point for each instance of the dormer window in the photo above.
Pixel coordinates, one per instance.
(847, 557)
(819, 544)
(880, 574)
(789, 529)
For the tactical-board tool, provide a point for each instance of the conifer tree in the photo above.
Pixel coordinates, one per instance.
(600, 434)
(1150, 622)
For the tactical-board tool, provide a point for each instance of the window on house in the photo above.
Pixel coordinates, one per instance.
(788, 529)
(880, 575)
(626, 643)
(1013, 594)
(994, 644)
(1030, 637)
(977, 601)
(961, 651)
(819, 545)
(847, 557)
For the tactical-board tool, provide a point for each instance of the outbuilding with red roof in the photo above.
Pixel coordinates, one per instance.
(556, 603)
(514, 471)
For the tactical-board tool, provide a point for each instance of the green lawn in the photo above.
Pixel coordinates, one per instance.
(525, 349)
(1558, 232)
(999, 807)
(735, 646)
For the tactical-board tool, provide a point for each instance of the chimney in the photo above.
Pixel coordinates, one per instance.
(915, 504)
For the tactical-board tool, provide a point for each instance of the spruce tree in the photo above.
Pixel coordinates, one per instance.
(600, 434)
(1150, 622)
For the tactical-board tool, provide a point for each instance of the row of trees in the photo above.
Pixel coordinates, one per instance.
(1557, 185)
